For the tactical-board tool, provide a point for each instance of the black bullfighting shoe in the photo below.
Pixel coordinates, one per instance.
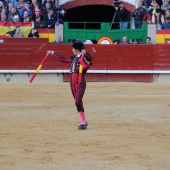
(82, 126)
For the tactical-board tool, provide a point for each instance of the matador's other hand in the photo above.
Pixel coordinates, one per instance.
(49, 52)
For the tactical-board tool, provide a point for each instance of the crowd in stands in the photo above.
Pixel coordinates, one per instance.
(43, 16)
(47, 14)
(125, 41)
(155, 12)
(152, 11)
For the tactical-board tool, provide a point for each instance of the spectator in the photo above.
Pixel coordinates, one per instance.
(16, 18)
(165, 4)
(47, 9)
(153, 3)
(3, 18)
(138, 14)
(34, 4)
(147, 4)
(11, 14)
(158, 19)
(27, 19)
(20, 5)
(164, 8)
(37, 13)
(25, 15)
(124, 40)
(1, 6)
(36, 8)
(4, 11)
(52, 5)
(14, 2)
(6, 3)
(167, 14)
(26, 8)
(50, 20)
(148, 40)
(18, 33)
(155, 9)
(38, 23)
(159, 2)
(58, 40)
(60, 15)
(166, 24)
(135, 41)
(10, 6)
(33, 33)
(88, 42)
(140, 41)
(147, 17)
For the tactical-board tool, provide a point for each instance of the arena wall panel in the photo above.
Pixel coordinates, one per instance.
(108, 60)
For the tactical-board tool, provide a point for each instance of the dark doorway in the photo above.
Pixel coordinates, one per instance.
(90, 13)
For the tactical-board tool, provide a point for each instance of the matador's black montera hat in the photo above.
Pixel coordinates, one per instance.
(78, 45)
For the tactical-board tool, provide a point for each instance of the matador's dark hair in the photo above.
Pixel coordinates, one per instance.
(78, 45)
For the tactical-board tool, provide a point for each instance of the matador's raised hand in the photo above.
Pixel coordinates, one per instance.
(49, 52)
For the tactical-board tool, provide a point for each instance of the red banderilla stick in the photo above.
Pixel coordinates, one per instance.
(37, 70)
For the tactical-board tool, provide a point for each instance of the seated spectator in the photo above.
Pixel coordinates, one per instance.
(165, 4)
(33, 33)
(1, 6)
(39, 23)
(37, 12)
(148, 40)
(125, 40)
(34, 4)
(167, 14)
(20, 5)
(11, 14)
(25, 14)
(52, 5)
(37, 8)
(16, 18)
(50, 20)
(18, 33)
(47, 8)
(3, 18)
(166, 24)
(88, 42)
(6, 3)
(14, 2)
(135, 41)
(4, 11)
(26, 8)
(10, 6)
(27, 19)
(58, 40)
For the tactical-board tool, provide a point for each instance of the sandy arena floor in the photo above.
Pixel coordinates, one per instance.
(129, 127)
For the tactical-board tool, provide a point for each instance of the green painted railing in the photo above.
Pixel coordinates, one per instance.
(85, 31)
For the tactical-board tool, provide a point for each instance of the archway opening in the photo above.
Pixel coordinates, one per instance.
(94, 14)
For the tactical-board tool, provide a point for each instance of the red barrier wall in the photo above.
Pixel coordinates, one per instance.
(27, 53)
